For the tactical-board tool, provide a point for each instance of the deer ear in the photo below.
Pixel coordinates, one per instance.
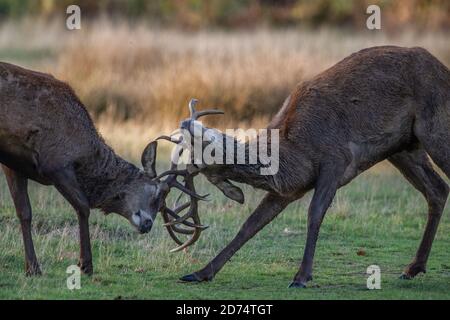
(148, 159)
(228, 189)
(232, 192)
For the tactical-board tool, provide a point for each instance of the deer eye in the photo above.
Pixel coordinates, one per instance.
(118, 197)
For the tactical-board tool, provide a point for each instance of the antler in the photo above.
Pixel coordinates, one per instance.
(197, 114)
(172, 223)
(172, 218)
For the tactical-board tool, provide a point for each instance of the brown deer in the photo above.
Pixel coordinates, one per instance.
(47, 135)
(379, 103)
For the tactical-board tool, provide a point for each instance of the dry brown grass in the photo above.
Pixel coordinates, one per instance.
(139, 73)
(146, 76)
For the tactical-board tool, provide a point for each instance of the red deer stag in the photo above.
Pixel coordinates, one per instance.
(46, 135)
(379, 103)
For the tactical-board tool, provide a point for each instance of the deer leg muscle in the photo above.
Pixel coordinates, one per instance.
(325, 190)
(18, 186)
(66, 183)
(417, 169)
(267, 210)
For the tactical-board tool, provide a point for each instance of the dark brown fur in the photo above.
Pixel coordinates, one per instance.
(379, 103)
(47, 135)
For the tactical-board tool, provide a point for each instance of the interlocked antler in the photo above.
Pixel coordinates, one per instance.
(171, 217)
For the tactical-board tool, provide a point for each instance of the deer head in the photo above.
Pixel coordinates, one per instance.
(183, 139)
(193, 129)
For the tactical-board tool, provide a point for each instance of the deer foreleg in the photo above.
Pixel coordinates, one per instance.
(18, 186)
(267, 210)
(66, 183)
(324, 193)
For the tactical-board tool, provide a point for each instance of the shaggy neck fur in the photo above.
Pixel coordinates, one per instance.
(103, 175)
(294, 168)
(285, 180)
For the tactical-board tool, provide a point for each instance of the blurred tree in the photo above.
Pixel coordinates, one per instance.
(243, 13)
(11, 8)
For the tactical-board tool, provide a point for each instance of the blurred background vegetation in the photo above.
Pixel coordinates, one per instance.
(196, 14)
(135, 64)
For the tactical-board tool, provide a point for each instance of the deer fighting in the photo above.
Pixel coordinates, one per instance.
(382, 103)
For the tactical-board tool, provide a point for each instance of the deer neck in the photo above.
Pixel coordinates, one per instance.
(239, 161)
(286, 168)
(103, 174)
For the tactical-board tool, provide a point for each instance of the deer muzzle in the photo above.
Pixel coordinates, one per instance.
(143, 221)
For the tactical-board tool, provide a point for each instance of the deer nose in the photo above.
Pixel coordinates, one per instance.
(143, 221)
(146, 226)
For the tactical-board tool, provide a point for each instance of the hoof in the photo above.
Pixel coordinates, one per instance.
(297, 285)
(405, 276)
(33, 272)
(190, 278)
(87, 269)
(413, 270)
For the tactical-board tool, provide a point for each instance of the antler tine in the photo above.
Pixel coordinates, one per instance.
(190, 242)
(170, 229)
(192, 105)
(207, 112)
(182, 220)
(173, 228)
(177, 229)
(178, 209)
(179, 186)
(175, 223)
(172, 172)
(169, 138)
(194, 115)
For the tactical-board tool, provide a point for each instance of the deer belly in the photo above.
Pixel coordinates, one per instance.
(21, 160)
(367, 154)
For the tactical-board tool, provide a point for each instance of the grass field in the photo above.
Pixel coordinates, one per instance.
(378, 215)
(146, 77)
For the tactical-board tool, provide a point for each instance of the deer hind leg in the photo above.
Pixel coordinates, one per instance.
(267, 210)
(432, 128)
(18, 187)
(417, 169)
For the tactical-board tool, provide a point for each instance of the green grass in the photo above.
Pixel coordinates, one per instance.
(378, 213)
(24, 56)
